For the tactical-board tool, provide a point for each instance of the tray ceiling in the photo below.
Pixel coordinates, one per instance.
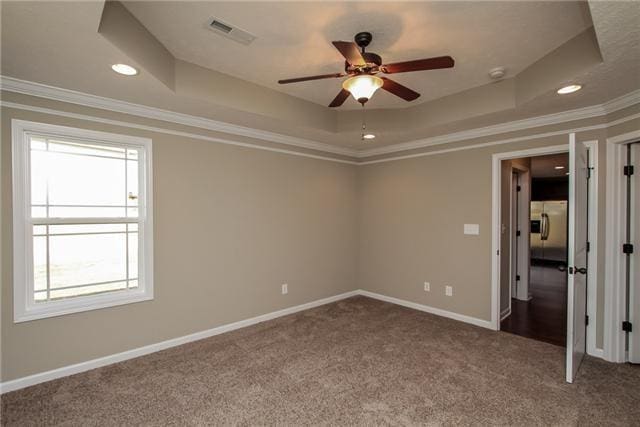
(293, 39)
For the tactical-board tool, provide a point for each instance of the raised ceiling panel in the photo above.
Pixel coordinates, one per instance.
(294, 39)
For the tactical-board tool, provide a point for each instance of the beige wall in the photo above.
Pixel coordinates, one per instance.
(412, 213)
(231, 225)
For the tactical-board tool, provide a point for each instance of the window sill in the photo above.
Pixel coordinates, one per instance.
(80, 304)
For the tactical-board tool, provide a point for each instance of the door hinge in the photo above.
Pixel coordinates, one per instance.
(628, 170)
(589, 172)
(586, 320)
(518, 188)
(588, 246)
(570, 270)
(518, 233)
(627, 248)
(626, 326)
(517, 277)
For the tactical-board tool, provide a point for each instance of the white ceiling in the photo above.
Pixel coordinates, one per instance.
(293, 39)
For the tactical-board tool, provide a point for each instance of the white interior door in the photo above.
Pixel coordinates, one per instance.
(577, 262)
(634, 285)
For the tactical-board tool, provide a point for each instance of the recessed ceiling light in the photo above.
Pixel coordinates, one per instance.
(559, 167)
(569, 89)
(368, 136)
(124, 69)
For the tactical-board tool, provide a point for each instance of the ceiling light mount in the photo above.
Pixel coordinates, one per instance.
(124, 69)
(565, 90)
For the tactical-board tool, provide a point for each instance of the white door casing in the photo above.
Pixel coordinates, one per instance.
(634, 277)
(577, 259)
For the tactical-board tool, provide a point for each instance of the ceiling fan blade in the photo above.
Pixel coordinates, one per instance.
(351, 52)
(304, 79)
(419, 65)
(398, 90)
(340, 98)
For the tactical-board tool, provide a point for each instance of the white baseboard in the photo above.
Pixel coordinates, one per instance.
(77, 368)
(437, 311)
(596, 352)
(53, 374)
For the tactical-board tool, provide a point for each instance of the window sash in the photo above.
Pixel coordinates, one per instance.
(25, 307)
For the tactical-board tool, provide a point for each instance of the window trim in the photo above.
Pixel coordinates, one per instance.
(23, 309)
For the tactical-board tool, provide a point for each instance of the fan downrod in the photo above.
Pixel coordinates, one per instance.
(363, 39)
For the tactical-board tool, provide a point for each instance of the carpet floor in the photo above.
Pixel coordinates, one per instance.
(357, 361)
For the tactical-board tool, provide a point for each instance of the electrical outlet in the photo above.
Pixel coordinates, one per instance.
(427, 287)
(448, 291)
(285, 289)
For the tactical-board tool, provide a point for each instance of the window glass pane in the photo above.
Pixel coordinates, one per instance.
(132, 212)
(38, 212)
(87, 290)
(84, 212)
(132, 183)
(39, 174)
(87, 228)
(39, 263)
(39, 230)
(86, 149)
(133, 255)
(83, 259)
(38, 143)
(85, 180)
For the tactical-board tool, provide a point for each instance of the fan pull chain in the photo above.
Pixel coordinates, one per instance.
(364, 123)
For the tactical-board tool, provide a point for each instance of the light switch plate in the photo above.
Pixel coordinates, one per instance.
(472, 229)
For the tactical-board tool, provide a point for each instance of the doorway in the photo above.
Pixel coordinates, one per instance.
(541, 313)
(582, 244)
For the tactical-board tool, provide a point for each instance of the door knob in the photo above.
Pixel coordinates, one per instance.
(562, 267)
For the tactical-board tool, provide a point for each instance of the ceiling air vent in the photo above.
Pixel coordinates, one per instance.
(229, 31)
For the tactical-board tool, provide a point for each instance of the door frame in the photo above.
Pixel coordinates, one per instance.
(592, 275)
(523, 244)
(615, 292)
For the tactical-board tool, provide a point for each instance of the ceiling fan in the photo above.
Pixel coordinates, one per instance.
(362, 68)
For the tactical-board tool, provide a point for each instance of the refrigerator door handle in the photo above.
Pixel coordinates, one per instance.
(544, 235)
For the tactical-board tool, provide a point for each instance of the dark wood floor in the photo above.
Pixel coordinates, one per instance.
(544, 317)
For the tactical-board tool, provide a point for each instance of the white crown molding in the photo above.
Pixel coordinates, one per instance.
(600, 110)
(131, 125)
(624, 101)
(40, 90)
(65, 95)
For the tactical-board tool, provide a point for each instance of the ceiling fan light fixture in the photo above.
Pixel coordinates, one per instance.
(362, 87)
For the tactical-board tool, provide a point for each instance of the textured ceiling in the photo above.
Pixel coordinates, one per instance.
(293, 39)
(62, 48)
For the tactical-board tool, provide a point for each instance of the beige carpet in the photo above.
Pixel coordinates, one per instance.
(358, 361)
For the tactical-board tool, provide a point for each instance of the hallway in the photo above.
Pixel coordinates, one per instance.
(544, 317)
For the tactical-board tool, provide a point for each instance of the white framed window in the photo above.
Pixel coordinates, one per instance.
(82, 220)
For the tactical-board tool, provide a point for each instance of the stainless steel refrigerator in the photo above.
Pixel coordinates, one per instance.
(549, 231)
